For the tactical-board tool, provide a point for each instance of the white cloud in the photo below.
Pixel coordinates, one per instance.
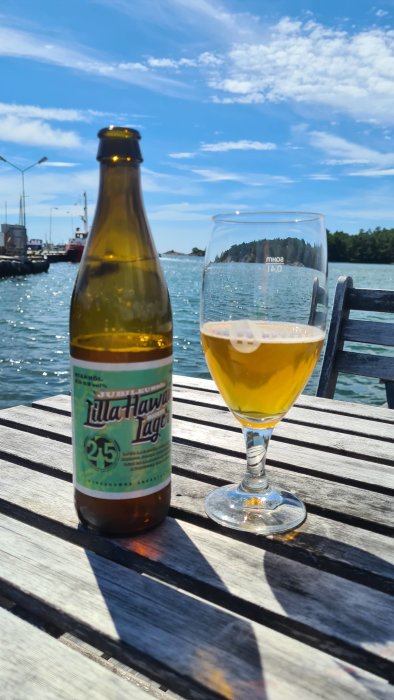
(206, 18)
(216, 175)
(181, 155)
(162, 62)
(381, 13)
(154, 181)
(243, 145)
(43, 190)
(59, 164)
(206, 59)
(252, 179)
(321, 176)
(35, 132)
(209, 59)
(343, 152)
(352, 211)
(171, 63)
(370, 172)
(131, 66)
(32, 46)
(51, 113)
(308, 63)
(340, 150)
(184, 211)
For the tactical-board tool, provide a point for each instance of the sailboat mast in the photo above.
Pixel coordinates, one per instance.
(85, 213)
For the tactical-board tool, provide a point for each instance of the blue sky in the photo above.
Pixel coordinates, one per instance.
(242, 104)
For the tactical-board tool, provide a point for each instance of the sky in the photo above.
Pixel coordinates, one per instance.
(253, 105)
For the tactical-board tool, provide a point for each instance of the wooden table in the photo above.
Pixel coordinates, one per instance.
(190, 608)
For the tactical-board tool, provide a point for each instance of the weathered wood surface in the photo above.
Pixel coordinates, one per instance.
(371, 332)
(366, 554)
(363, 364)
(218, 467)
(56, 504)
(201, 609)
(337, 359)
(34, 665)
(358, 419)
(371, 299)
(192, 642)
(300, 429)
(62, 402)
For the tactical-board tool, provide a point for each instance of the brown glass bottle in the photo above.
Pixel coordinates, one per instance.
(121, 351)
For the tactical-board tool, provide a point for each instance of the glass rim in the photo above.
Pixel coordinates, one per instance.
(267, 217)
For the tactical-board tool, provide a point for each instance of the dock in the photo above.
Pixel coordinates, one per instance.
(12, 266)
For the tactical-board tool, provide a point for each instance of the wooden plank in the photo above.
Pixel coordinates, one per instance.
(360, 363)
(45, 452)
(371, 300)
(296, 460)
(318, 403)
(347, 504)
(298, 414)
(350, 424)
(334, 342)
(372, 332)
(311, 436)
(269, 583)
(209, 393)
(36, 666)
(346, 408)
(189, 642)
(309, 410)
(45, 422)
(328, 541)
(152, 689)
(273, 583)
(217, 466)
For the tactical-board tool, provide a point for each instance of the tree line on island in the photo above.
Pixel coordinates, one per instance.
(370, 246)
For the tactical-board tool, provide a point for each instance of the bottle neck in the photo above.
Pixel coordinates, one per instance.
(120, 222)
(120, 186)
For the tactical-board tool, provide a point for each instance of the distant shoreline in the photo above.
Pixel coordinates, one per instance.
(176, 254)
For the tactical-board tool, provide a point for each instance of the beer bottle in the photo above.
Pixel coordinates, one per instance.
(121, 355)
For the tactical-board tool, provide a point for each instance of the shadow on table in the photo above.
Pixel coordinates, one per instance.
(350, 612)
(174, 633)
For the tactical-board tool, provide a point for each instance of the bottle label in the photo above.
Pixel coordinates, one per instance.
(121, 427)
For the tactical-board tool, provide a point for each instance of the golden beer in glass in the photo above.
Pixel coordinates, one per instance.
(262, 330)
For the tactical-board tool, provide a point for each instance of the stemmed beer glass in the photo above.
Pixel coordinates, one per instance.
(263, 315)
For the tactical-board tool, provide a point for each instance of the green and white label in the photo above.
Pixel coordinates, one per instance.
(121, 427)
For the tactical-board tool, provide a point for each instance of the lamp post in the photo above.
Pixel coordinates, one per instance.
(22, 171)
(50, 224)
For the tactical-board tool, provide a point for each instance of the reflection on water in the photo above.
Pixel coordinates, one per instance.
(34, 329)
(235, 290)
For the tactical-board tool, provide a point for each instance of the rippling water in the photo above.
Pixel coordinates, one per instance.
(34, 329)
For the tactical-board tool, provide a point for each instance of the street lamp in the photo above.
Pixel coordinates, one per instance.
(50, 224)
(22, 171)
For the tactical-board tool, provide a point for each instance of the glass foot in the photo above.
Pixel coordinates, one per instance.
(267, 513)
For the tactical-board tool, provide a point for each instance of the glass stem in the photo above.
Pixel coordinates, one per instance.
(256, 440)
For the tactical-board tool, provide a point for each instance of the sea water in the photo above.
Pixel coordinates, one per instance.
(34, 359)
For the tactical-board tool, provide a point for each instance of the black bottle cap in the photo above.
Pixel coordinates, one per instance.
(119, 142)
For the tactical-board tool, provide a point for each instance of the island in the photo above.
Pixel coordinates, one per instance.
(367, 246)
(370, 246)
(196, 252)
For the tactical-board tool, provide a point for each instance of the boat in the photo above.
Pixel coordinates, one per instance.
(76, 245)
